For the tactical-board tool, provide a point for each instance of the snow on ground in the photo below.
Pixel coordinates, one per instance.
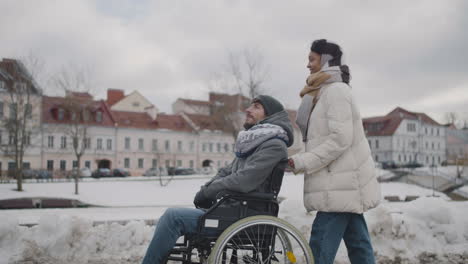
(427, 230)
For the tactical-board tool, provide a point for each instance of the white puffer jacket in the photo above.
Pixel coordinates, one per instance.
(339, 173)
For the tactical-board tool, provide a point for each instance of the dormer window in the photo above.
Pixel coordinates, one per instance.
(61, 114)
(99, 116)
(86, 115)
(136, 104)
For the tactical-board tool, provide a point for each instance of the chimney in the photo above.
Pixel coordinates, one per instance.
(114, 95)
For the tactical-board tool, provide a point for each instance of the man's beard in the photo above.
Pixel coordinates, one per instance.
(248, 126)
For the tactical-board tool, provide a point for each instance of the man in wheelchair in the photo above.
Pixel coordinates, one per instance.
(258, 149)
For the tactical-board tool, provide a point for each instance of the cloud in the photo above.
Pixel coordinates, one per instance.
(401, 53)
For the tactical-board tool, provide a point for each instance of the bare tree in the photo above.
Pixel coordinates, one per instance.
(77, 108)
(451, 118)
(244, 74)
(22, 93)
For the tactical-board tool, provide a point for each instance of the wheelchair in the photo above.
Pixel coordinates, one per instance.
(242, 228)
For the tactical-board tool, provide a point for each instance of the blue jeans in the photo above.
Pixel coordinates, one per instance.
(174, 223)
(329, 228)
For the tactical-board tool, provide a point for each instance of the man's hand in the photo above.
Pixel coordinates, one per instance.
(201, 201)
(291, 166)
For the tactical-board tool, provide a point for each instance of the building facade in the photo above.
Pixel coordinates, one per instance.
(405, 137)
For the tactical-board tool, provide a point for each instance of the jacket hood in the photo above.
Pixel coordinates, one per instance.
(281, 119)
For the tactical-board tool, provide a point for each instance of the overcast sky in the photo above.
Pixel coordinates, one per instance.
(412, 54)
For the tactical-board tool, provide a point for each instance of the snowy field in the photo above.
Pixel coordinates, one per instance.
(427, 230)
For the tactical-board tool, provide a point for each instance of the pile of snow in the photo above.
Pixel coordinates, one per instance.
(410, 232)
(427, 230)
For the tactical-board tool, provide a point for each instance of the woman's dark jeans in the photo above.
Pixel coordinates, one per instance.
(329, 228)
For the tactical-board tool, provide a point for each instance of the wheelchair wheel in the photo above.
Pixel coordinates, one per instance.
(261, 239)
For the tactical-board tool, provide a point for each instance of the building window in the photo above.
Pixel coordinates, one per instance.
(370, 144)
(437, 131)
(219, 164)
(99, 143)
(204, 147)
(168, 163)
(411, 127)
(376, 143)
(211, 147)
(1, 109)
(11, 139)
(218, 147)
(179, 146)
(99, 116)
(154, 163)
(432, 145)
(61, 114)
(127, 163)
(63, 165)
(140, 163)
(226, 147)
(427, 145)
(87, 164)
(127, 143)
(438, 159)
(75, 143)
(425, 130)
(73, 116)
(427, 159)
(140, 144)
(135, 104)
(87, 143)
(192, 146)
(109, 144)
(27, 140)
(63, 142)
(179, 163)
(191, 164)
(13, 110)
(155, 145)
(167, 146)
(2, 85)
(376, 158)
(438, 145)
(432, 131)
(75, 164)
(50, 165)
(399, 158)
(1, 132)
(86, 115)
(28, 111)
(50, 141)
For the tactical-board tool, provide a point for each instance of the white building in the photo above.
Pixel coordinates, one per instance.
(406, 137)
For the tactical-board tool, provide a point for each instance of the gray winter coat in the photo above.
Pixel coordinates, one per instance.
(250, 173)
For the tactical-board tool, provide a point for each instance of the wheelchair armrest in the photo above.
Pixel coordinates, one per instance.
(250, 195)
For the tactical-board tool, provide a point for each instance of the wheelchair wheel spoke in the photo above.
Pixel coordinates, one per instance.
(261, 240)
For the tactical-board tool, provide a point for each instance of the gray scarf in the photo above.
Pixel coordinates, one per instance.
(248, 140)
(337, 74)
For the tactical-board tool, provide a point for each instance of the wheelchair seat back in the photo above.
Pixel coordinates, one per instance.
(235, 206)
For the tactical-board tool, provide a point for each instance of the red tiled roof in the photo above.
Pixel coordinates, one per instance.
(51, 104)
(388, 124)
(172, 122)
(144, 121)
(414, 115)
(205, 122)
